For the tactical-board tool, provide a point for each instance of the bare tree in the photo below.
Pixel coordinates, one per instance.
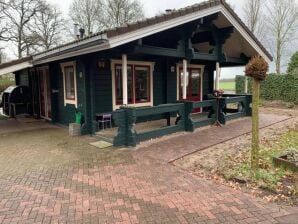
(48, 26)
(281, 20)
(19, 13)
(3, 29)
(87, 14)
(254, 18)
(119, 12)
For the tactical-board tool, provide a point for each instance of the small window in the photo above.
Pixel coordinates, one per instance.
(69, 83)
(142, 84)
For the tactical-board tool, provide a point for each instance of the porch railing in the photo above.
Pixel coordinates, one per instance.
(212, 110)
(208, 117)
(167, 110)
(234, 106)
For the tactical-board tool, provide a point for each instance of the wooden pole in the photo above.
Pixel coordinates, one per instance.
(255, 127)
(124, 79)
(184, 85)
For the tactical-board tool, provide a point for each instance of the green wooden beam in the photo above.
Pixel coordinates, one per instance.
(159, 51)
(205, 56)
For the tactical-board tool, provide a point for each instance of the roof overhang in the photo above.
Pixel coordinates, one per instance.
(17, 66)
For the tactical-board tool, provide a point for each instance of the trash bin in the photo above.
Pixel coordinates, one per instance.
(78, 118)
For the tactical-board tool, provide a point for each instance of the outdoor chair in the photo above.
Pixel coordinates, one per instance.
(104, 120)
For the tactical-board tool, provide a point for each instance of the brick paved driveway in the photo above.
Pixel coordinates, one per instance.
(71, 182)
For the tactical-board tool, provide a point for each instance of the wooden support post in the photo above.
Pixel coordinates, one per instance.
(184, 83)
(124, 79)
(217, 76)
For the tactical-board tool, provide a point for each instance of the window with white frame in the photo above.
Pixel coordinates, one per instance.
(139, 84)
(69, 83)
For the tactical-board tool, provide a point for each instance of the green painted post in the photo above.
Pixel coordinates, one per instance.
(119, 117)
(125, 119)
(248, 108)
(220, 106)
(131, 117)
(188, 108)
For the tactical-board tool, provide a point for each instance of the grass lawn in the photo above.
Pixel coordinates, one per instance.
(227, 86)
(5, 82)
(283, 183)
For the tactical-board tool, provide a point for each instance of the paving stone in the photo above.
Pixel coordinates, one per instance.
(146, 190)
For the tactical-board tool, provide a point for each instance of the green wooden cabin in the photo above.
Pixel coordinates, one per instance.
(159, 61)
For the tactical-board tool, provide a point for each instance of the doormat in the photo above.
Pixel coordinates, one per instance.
(101, 144)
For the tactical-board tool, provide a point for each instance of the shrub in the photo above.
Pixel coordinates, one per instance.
(293, 65)
(275, 87)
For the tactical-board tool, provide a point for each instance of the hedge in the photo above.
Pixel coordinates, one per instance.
(275, 87)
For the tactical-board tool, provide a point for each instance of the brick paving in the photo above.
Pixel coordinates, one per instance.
(145, 190)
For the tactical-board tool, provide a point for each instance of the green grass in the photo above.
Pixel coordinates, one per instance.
(268, 176)
(227, 85)
(5, 82)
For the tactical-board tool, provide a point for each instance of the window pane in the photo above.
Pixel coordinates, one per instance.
(142, 84)
(195, 87)
(69, 83)
(118, 83)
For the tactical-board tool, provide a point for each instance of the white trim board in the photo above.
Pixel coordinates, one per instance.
(15, 68)
(244, 33)
(149, 30)
(67, 101)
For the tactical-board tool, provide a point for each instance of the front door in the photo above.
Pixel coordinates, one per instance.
(44, 93)
(194, 85)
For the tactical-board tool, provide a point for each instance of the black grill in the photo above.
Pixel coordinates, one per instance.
(16, 100)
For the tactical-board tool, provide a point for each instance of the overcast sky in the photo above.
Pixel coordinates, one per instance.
(152, 7)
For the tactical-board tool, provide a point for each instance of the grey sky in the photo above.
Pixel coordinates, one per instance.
(152, 7)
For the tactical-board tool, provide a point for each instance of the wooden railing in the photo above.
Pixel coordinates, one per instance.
(213, 110)
(208, 108)
(177, 110)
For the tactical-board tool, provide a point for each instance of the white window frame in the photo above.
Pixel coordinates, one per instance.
(68, 101)
(180, 65)
(135, 63)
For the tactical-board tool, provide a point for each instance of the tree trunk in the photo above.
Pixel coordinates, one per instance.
(255, 127)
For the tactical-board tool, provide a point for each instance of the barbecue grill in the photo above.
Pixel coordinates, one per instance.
(16, 100)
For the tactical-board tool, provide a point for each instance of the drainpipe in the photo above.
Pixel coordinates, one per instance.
(217, 76)
(124, 79)
(184, 83)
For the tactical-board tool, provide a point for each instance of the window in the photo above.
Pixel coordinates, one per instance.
(139, 84)
(69, 83)
(142, 84)
(119, 97)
